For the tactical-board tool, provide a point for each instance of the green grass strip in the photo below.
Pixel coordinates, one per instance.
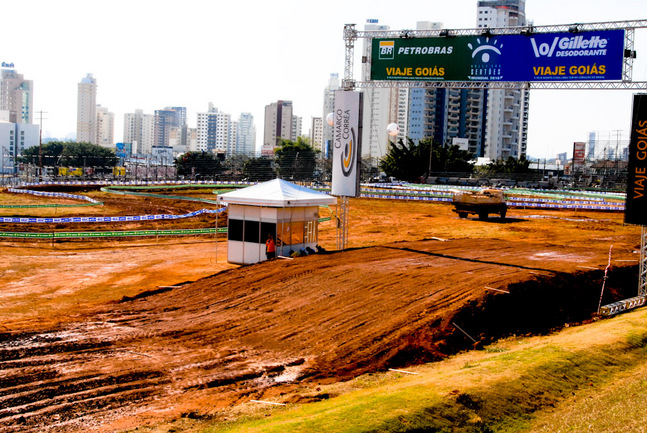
(505, 388)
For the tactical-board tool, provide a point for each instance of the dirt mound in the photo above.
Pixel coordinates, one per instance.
(248, 331)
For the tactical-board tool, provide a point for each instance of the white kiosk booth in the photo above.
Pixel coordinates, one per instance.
(288, 212)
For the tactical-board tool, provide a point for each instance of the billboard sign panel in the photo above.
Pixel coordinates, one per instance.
(636, 204)
(579, 155)
(346, 149)
(553, 57)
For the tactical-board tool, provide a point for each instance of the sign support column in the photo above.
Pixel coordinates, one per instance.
(637, 182)
(642, 274)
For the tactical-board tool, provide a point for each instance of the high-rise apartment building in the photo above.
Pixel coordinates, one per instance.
(445, 114)
(214, 133)
(14, 138)
(139, 129)
(378, 108)
(105, 127)
(297, 127)
(316, 134)
(86, 111)
(16, 96)
(278, 125)
(328, 108)
(180, 115)
(169, 117)
(183, 139)
(245, 134)
(506, 120)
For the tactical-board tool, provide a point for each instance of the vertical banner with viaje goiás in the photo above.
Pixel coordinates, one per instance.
(636, 205)
(347, 151)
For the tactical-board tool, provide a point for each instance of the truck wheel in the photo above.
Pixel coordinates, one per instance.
(503, 214)
(462, 214)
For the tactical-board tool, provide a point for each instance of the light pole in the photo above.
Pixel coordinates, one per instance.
(3, 150)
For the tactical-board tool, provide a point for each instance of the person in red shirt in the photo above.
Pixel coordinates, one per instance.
(270, 247)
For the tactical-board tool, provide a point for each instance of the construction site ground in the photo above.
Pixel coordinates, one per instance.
(108, 335)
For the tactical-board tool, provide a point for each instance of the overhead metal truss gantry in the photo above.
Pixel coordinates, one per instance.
(351, 34)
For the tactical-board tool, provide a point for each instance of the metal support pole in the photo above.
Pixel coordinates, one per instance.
(642, 275)
(628, 60)
(342, 224)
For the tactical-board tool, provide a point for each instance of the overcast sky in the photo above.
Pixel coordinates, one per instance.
(244, 55)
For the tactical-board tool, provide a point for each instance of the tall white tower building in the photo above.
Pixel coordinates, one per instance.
(378, 108)
(328, 108)
(245, 134)
(506, 123)
(86, 112)
(278, 125)
(214, 133)
(105, 127)
(139, 129)
(297, 127)
(316, 133)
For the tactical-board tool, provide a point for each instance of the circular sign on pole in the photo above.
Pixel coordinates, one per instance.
(330, 118)
(393, 129)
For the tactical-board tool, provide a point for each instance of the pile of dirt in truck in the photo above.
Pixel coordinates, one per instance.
(480, 202)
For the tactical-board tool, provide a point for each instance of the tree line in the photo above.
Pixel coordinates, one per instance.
(292, 160)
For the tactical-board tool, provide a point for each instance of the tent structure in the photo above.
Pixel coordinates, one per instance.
(287, 212)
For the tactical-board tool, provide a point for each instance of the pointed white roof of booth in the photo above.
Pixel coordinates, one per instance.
(277, 193)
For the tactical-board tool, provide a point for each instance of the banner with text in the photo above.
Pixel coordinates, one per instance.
(347, 151)
(580, 56)
(636, 205)
(579, 156)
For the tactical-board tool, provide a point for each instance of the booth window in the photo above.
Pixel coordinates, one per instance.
(294, 233)
(248, 231)
(235, 230)
(268, 229)
(251, 231)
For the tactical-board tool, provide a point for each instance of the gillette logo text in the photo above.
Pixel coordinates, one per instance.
(574, 46)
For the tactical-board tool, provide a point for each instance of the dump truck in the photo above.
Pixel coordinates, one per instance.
(482, 203)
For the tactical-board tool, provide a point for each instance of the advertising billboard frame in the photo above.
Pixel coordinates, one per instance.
(346, 144)
(351, 35)
(538, 57)
(636, 201)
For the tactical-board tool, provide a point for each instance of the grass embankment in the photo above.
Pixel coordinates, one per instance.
(589, 378)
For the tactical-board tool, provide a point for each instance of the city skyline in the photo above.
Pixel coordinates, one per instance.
(284, 51)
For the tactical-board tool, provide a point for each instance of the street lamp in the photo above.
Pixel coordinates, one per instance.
(3, 150)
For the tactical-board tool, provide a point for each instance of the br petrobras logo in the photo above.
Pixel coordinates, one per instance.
(486, 59)
(387, 50)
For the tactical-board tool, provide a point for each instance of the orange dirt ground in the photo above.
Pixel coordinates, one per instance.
(108, 335)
